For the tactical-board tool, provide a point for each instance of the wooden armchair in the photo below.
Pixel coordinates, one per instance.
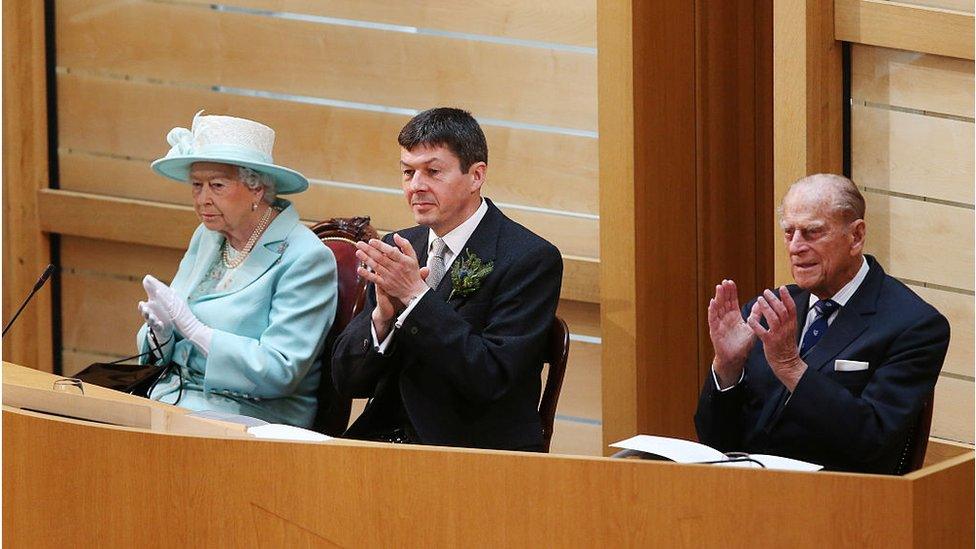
(340, 234)
(557, 356)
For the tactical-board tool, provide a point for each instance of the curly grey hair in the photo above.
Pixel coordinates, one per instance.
(254, 180)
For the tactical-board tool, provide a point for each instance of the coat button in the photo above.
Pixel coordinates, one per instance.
(413, 330)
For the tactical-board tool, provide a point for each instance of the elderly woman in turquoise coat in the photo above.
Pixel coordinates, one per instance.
(244, 321)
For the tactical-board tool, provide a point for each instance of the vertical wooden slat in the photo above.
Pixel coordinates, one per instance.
(734, 153)
(618, 276)
(808, 111)
(25, 169)
(681, 185)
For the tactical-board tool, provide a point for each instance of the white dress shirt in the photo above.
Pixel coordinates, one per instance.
(454, 242)
(841, 298)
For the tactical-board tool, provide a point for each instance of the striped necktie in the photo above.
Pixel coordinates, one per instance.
(436, 263)
(824, 308)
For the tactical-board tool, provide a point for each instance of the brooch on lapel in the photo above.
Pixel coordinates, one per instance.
(467, 273)
(282, 247)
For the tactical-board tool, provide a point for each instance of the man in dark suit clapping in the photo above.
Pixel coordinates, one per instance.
(832, 370)
(449, 346)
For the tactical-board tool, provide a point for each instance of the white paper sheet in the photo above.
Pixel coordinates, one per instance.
(686, 451)
(776, 462)
(276, 431)
(675, 449)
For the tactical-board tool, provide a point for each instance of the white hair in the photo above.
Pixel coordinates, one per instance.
(254, 180)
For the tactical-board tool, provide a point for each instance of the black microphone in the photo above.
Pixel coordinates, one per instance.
(37, 286)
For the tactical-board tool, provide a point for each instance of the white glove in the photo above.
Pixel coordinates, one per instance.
(157, 320)
(173, 306)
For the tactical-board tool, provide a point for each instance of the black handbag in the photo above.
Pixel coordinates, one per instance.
(135, 379)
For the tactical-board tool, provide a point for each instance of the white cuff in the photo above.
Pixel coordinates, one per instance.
(381, 347)
(719, 387)
(410, 306)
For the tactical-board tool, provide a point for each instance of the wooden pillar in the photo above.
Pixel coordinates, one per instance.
(685, 194)
(808, 112)
(25, 170)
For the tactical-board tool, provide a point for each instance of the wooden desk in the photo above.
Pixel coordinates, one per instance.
(77, 483)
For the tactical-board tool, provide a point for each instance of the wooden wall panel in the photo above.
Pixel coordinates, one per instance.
(108, 116)
(953, 414)
(912, 133)
(619, 211)
(958, 309)
(580, 394)
(675, 153)
(582, 317)
(910, 79)
(957, 5)
(26, 251)
(921, 241)
(574, 438)
(504, 81)
(560, 21)
(99, 313)
(906, 27)
(133, 261)
(808, 106)
(912, 153)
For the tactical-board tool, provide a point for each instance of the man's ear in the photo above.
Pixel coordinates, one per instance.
(478, 171)
(858, 231)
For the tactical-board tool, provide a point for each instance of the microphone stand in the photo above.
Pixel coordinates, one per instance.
(37, 286)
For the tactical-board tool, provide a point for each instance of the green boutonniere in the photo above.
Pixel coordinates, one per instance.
(467, 274)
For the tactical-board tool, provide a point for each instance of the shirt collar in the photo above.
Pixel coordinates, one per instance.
(847, 292)
(458, 237)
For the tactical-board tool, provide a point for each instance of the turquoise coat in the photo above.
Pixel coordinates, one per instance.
(269, 326)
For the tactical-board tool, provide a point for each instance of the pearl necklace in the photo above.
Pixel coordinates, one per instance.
(235, 262)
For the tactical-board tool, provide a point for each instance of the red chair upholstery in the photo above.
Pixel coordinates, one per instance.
(557, 355)
(340, 234)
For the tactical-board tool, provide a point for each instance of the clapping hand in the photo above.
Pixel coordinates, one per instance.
(731, 336)
(396, 275)
(779, 339)
(170, 307)
(157, 320)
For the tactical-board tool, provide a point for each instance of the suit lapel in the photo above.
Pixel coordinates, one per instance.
(842, 331)
(850, 322)
(482, 243)
(846, 327)
(419, 241)
(802, 302)
(206, 254)
(266, 253)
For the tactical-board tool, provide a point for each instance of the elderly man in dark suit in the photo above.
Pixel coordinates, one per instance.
(450, 353)
(834, 369)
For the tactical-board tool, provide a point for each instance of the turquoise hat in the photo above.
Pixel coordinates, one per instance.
(227, 140)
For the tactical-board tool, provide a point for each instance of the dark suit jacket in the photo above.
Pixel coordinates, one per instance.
(467, 371)
(849, 421)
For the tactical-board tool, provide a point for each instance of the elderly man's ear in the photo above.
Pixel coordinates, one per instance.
(858, 230)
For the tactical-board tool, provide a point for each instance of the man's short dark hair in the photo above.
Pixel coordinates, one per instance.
(448, 127)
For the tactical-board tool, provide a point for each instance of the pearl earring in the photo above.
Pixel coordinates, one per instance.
(254, 207)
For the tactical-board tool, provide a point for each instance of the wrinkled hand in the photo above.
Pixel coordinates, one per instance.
(779, 339)
(157, 320)
(731, 336)
(395, 273)
(168, 303)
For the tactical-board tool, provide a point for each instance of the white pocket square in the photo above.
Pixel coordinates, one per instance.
(849, 365)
